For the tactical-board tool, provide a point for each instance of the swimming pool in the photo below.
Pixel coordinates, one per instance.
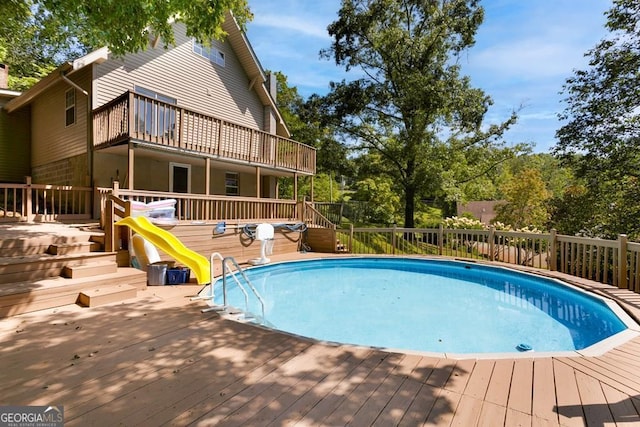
(425, 305)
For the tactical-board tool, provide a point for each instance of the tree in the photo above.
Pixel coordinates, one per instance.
(39, 34)
(411, 104)
(306, 124)
(382, 201)
(600, 138)
(525, 201)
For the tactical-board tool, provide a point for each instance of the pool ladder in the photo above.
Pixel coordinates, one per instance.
(228, 272)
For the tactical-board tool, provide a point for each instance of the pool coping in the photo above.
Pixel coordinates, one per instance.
(616, 304)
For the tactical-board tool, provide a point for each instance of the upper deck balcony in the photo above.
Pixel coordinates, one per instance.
(151, 121)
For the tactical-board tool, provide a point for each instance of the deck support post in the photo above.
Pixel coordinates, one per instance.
(130, 165)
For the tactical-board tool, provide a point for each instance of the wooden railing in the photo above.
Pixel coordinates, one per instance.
(38, 202)
(200, 207)
(614, 262)
(136, 116)
(313, 218)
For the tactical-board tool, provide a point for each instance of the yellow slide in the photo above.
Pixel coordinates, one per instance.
(171, 245)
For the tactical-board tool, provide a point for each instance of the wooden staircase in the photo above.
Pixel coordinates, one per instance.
(40, 271)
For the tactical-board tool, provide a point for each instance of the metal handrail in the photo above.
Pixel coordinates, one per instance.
(226, 271)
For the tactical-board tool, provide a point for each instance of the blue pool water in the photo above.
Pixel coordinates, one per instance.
(424, 305)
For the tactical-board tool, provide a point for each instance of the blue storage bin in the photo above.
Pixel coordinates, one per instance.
(178, 276)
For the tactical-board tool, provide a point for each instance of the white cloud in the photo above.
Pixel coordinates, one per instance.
(304, 26)
(525, 51)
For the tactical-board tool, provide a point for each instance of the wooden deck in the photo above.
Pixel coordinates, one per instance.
(157, 360)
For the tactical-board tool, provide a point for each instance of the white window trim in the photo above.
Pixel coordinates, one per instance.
(206, 51)
(72, 106)
(172, 165)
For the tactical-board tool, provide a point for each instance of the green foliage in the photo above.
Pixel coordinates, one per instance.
(39, 34)
(427, 216)
(600, 137)
(305, 122)
(325, 189)
(412, 107)
(525, 200)
(572, 212)
(605, 212)
(555, 176)
(126, 26)
(383, 202)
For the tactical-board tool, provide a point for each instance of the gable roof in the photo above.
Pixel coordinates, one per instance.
(235, 36)
(66, 68)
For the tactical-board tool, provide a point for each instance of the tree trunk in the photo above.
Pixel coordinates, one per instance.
(409, 206)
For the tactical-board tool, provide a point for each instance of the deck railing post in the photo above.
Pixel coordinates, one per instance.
(116, 189)
(131, 116)
(622, 262)
(109, 240)
(28, 200)
(553, 250)
(350, 238)
(492, 242)
(440, 239)
(393, 239)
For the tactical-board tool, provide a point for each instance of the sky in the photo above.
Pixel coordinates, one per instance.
(524, 52)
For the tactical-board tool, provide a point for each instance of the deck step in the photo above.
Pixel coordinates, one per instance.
(42, 266)
(106, 295)
(88, 270)
(73, 248)
(35, 244)
(28, 296)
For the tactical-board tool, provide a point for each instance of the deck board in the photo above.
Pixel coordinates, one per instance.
(594, 403)
(500, 383)
(479, 379)
(568, 403)
(521, 390)
(544, 393)
(158, 361)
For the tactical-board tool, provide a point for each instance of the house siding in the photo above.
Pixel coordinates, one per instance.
(153, 175)
(180, 73)
(54, 143)
(14, 144)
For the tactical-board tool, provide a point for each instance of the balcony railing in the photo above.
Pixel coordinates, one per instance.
(149, 120)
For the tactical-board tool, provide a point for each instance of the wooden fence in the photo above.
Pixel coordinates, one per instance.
(614, 262)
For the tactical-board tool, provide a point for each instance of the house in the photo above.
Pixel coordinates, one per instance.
(195, 123)
(484, 210)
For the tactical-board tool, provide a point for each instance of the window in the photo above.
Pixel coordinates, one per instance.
(232, 183)
(209, 52)
(70, 107)
(152, 117)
